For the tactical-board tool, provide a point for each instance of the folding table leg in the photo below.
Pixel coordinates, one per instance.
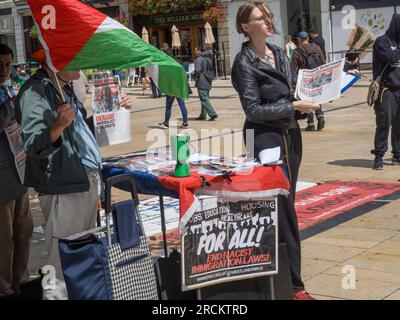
(163, 226)
(272, 289)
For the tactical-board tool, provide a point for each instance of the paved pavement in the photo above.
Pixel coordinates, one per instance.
(369, 243)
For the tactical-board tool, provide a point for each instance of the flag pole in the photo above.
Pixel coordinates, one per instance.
(59, 86)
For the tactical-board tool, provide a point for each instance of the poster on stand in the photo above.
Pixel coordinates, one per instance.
(226, 241)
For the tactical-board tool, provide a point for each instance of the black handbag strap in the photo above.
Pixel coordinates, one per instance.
(286, 155)
(380, 76)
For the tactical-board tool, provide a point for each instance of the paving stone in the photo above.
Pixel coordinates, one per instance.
(341, 242)
(311, 267)
(376, 261)
(374, 222)
(319, 297)
(396, 238)
(365, 274)
(389, 210)
(331, 285)
(328, 252)
(363, 234)
(394, 296)
(35, 264)
(389, 247)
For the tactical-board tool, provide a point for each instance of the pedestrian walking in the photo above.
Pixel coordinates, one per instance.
(168, 110)
(318, 40)
(204, 75)
(386, 64)
(170, 101)
(144, 79)
(16, 223)
(262, 76)
(352, 62)
(289, 47)
(309, 56)
(155, 91)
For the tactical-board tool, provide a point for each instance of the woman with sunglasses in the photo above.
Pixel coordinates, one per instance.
(262, 76)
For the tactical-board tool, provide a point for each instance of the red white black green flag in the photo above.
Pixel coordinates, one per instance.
(76, 36)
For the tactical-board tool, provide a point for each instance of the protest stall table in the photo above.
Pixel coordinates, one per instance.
(214, 251)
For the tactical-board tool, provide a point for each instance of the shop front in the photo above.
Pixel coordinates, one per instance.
(191, 31)
(7, 28)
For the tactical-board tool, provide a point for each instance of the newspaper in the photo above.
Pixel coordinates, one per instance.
(322, 84)
(14, 136)
(112, 123)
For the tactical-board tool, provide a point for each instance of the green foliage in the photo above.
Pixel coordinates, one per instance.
(152, 7)
(33, 33)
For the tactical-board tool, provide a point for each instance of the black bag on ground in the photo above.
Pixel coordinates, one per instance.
(169, 280)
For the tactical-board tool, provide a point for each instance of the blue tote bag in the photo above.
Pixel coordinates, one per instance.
(110, 263)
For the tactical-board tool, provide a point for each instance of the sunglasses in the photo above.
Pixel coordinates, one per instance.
(263, 18)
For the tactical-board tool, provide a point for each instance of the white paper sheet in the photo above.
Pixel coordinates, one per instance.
(270, 156)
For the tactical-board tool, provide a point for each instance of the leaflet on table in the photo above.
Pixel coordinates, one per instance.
(141, 163)
(215, 168)
(322, 84)
(123, 157)
(112, 123)
(204, 164)
(199, 157)
(14, 136)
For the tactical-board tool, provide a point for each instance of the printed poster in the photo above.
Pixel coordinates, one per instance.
(14, 136)
(112, 123)
(226, 241)
(322, 84)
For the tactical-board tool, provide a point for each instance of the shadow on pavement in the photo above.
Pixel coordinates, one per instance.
(358, 163)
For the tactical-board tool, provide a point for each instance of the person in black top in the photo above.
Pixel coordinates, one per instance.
(262, 76)
(352, 63)
(318, 40)
(386, 61)
(309, 56)
(16, 223)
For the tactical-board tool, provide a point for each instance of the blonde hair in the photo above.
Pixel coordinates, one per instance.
(245, 11)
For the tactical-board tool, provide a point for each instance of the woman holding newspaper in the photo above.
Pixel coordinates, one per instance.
(262, 76)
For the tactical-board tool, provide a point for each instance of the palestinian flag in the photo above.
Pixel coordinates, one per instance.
(76, 36)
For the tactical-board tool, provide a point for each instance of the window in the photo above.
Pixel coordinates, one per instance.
(362, 4)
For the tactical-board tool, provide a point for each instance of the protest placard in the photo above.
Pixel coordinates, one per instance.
(226, 241)
(111, 122)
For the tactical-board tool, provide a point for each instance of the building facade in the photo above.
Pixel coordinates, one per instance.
(333, 19)
(11, 31)
(337, 18)
(187, 18)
